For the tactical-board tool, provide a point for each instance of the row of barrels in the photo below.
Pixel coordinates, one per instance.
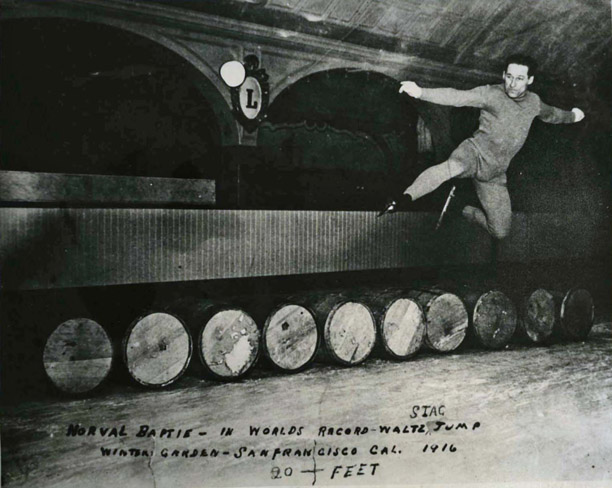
(224, 341)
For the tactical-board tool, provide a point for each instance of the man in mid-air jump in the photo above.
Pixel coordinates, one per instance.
(506, 113)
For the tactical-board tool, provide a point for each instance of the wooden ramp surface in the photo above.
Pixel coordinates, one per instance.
(44, 248)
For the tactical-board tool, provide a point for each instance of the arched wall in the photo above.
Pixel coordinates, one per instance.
(206, 42)
(210, 84)
(436, 117)
(285, 68)
(349, 120)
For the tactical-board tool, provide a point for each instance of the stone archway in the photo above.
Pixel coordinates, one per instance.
(348, 134)
(436, 118)
(204, 76)
(138, 109)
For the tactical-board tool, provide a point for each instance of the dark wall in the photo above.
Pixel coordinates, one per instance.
(86, 98)
(344, 139)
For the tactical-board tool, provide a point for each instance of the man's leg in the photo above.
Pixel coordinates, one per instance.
(461, 163)
(433, 177)
(426, 182)
(495, 199)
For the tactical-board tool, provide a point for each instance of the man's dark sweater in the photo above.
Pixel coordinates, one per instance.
(504, 121)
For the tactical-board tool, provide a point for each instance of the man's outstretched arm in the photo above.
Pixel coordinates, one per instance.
(554, 115)
(446, 96)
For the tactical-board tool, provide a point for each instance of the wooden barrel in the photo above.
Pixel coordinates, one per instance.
(350, 332)
(537, 317)
(78, 356)
(290, 337)
(48, 338)
(402, 328)
(226, 337)
(228, 343)
(157, 349)
(446, 318)
(349, 328)
(493, 318)
(575, 314)
(399, 319)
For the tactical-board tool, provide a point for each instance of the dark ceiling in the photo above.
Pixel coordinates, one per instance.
(571, 39)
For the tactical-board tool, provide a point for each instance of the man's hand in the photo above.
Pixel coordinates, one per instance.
(412, 89)
(578, 114)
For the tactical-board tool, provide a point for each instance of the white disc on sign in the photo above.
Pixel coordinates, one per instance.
(233, 73)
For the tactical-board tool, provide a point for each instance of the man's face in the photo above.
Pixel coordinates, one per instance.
(516, 80)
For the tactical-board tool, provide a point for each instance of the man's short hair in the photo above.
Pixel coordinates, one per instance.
(523, 60)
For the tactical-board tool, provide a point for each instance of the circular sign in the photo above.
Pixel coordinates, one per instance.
(250, 98)
(233, 73)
